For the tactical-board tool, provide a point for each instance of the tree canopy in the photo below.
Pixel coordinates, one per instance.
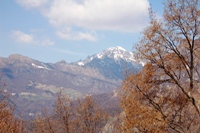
(164, 95)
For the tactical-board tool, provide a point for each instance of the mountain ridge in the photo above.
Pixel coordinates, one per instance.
(116, 59)
(30, 81)
(116, 53)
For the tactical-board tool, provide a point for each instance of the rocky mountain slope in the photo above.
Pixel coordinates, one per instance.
(33, 84)
(112, 62)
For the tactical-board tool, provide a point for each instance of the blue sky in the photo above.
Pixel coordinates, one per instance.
(54, 30)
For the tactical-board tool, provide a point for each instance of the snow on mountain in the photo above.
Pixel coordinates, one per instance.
(41, 67)
(80, 63)
(112, 62)
(117, 53)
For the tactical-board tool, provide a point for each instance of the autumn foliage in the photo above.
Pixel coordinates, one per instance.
(8, 122)
(164, 95)
(82, 116)
(69, 116)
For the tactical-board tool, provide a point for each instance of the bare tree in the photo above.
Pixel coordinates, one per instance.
(58, 122)
(165, 94)
(81, 116)
(64, 113)
(8, 122)
(90, 118)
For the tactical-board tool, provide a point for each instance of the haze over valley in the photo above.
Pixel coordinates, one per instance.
(36, 84)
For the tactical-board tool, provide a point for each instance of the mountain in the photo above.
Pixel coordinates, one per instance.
(112, 62)
(36, 84)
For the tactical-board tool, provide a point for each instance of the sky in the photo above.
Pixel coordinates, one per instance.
(70, 30)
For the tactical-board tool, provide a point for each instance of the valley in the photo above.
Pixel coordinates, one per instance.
(33, 85)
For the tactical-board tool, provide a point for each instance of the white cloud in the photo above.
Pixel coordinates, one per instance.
(118, 15)
(92, 15)
(32, 3)
(24, 38)
(69, 34)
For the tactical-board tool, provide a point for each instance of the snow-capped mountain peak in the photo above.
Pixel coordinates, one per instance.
(113, 52)
(117, 53)
(115, 58)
